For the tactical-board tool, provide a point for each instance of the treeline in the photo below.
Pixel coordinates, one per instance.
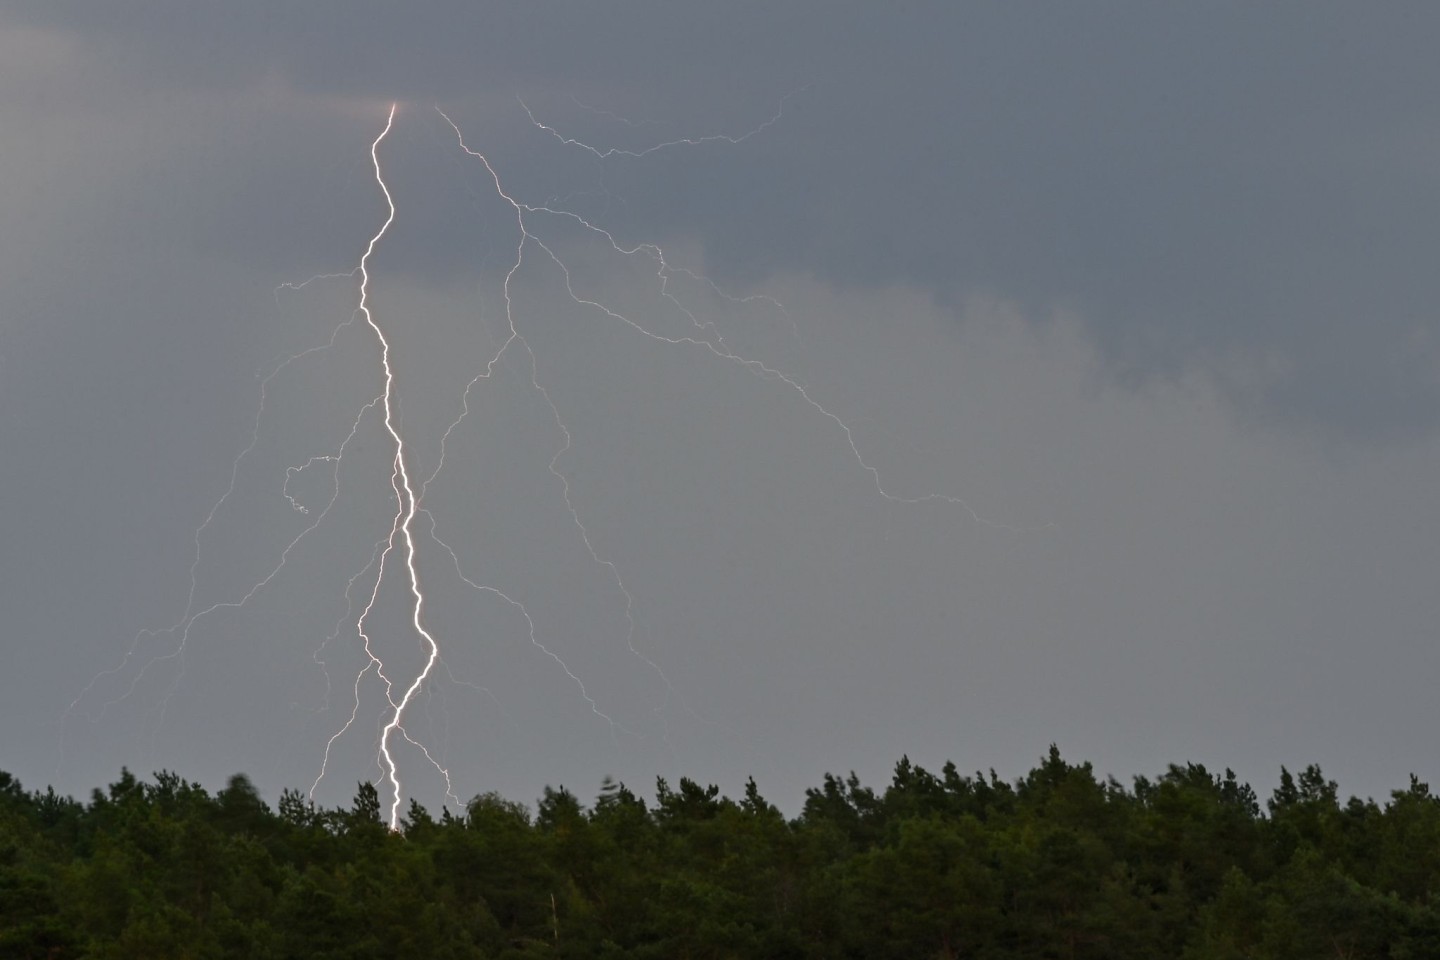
(1057, 864)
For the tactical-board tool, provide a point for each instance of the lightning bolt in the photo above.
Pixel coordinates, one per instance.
(400, 546)
(404, 515)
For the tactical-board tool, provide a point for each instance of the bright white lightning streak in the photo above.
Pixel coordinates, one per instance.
(404, 517)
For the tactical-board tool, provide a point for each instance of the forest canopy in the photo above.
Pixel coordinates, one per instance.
(1059, 863)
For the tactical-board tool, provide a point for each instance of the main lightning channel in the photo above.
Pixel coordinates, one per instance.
(405, 514)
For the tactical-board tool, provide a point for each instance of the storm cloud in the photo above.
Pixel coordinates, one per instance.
(1146, 287)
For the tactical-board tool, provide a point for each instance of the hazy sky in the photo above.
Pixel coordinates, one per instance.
(1087, 391)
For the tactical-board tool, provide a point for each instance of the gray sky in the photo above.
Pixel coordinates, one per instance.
(1130, 308)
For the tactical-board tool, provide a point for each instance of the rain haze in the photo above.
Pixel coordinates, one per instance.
(784, 388)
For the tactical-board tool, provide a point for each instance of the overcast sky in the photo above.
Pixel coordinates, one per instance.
(1091, 390)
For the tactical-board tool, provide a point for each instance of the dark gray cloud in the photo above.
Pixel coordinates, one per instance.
(1228, 186)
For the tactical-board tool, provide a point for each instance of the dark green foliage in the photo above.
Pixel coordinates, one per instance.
(1059, 864)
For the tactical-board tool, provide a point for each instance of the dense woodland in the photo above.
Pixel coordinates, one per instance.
(1058, 864)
